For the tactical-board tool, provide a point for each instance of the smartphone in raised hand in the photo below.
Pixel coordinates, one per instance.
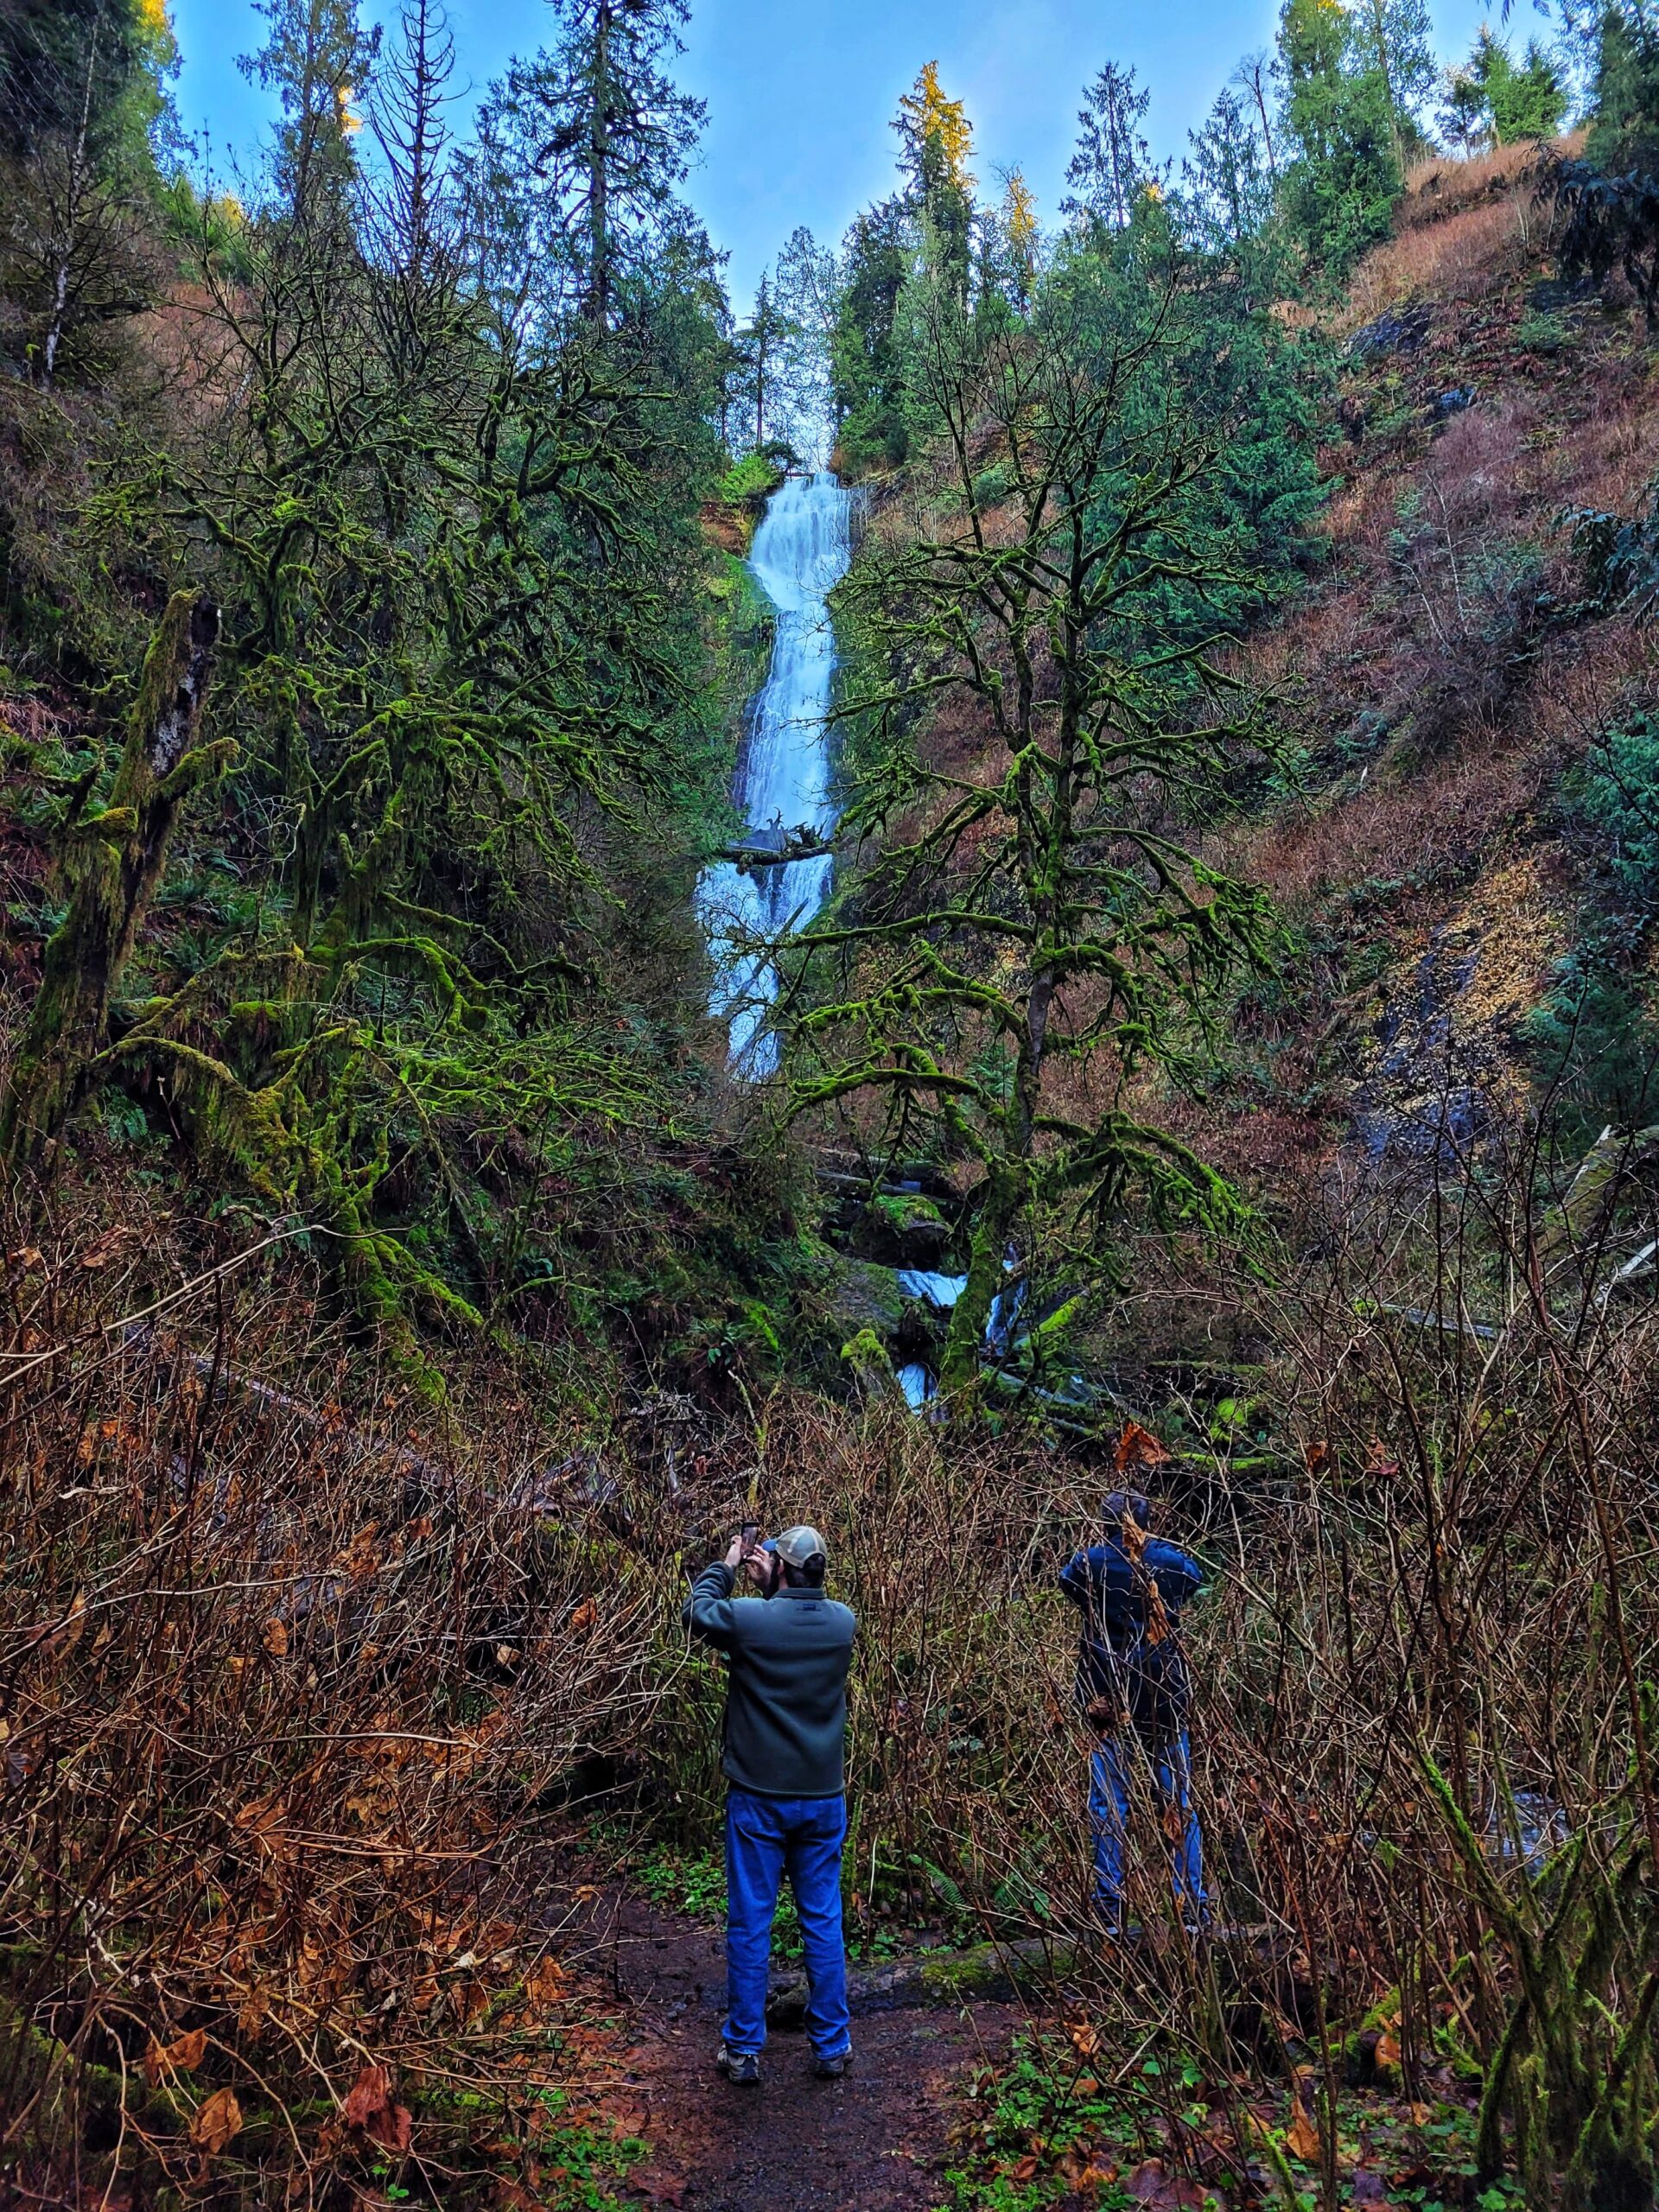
(750, 1536)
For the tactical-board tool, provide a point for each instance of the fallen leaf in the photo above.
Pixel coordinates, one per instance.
(1316, 1457)
(1369, 2187)
(1147, 2181)
(1302, 2138)
(1380, 1462)
(584, 1616)
(217, 2121)
(1085, 2037)
(658, 2184)
(1388, 2050)
(274, 1637)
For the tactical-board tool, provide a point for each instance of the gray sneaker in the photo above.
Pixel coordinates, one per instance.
(740, 2068)
(831, 2068)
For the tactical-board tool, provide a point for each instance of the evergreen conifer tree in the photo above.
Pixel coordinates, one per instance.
(1113, 162)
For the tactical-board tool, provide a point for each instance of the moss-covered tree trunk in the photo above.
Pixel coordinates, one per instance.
(119, 855)
(964, 1340)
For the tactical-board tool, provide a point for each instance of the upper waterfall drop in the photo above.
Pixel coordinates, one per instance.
(801, 552)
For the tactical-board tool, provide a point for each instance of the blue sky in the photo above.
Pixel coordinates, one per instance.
(800, 91)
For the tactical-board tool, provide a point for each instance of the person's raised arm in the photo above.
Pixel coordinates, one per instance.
(708, 1611)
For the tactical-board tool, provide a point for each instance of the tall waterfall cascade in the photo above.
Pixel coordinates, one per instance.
(800, 553)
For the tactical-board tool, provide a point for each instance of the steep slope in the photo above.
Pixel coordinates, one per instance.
(1439, 839)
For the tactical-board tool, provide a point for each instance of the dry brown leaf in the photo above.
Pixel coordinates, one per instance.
(1301, 2137)
(1085, 2037)
(370, 2093)
(274, 1637)
(1137, 1447)
(65, 1638)
(216, 2122)
(1388, 2050)
(182, 2056)
(584, 1616)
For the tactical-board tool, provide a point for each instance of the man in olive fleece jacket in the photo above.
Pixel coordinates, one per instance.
(783, 1753)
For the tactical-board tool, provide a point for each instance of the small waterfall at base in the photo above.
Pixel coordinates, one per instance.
(800, 553)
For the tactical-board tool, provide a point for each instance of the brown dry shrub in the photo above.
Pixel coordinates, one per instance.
(1405, 1553)
(1466, 258)
(283, 1691)
(1440, 187)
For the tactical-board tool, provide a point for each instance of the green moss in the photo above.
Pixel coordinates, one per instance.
(750, 482)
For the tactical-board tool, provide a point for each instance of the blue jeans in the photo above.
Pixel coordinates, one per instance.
(1169, 1765)
(764, 1837)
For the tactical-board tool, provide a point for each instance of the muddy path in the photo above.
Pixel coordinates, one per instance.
(875, 2141)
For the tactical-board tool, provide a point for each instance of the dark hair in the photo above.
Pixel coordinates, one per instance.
(810, 1577)
(1123, 1502)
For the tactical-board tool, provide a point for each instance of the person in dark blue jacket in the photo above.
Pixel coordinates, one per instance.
(1133, 1688)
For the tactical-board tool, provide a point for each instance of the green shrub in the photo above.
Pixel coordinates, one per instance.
(756, 477)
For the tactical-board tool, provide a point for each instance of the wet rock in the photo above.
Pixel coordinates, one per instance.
(1402, 331)
(865, 1296)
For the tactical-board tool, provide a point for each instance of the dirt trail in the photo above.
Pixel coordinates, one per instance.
(872, 2142)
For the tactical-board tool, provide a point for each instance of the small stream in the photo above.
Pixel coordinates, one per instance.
(801, 552)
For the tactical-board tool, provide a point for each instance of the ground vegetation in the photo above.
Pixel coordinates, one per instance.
(1238, 991)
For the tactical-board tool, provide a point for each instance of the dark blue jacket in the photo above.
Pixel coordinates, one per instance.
(1103, 1584)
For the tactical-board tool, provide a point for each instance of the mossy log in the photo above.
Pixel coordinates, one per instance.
(985, 1974)
(1618, 1162)
(118, 856)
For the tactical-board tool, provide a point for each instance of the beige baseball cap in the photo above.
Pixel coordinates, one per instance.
(797, 1546)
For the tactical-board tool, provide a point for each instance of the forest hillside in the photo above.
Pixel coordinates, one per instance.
(465, 1156)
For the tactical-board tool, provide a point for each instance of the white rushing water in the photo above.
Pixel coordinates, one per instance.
(800, 553)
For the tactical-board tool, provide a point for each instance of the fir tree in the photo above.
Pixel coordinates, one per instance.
(1341, 126)
(865, 374)
(1113, 162)
(1227, 185)
(594, 139)
(936, 140)
(1392, 40)
(316, 61)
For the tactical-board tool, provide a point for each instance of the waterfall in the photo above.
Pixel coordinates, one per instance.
(800, 553)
